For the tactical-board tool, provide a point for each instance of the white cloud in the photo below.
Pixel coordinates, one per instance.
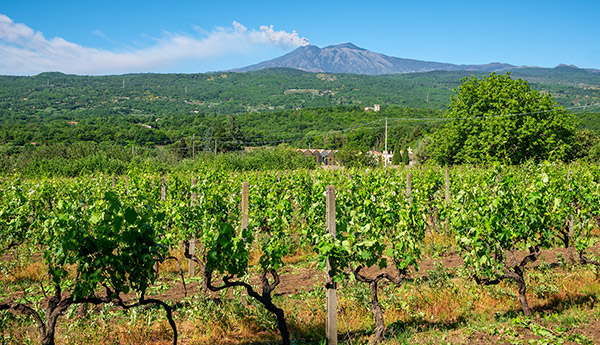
(25, 51)
(99, 34)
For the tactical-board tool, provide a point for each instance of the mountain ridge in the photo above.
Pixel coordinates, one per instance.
(349, 58)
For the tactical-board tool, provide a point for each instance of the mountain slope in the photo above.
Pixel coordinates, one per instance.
(348, 58)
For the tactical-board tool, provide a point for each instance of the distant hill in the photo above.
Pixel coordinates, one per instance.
(50, 94)
(267, 105)
(348, 58)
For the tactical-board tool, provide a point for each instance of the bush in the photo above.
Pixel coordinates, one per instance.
(353, 158)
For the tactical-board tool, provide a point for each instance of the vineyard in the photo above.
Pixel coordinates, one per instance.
(421, 255)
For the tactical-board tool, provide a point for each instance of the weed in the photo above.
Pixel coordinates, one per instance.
(438, 276)
(544, 291)
(547, 335)
(562, 262)
(358, 293)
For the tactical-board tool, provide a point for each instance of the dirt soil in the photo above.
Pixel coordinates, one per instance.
(295, 280)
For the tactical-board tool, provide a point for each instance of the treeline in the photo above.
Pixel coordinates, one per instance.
(187, 142)
(113, 145)
(302, 127)
(84, 158)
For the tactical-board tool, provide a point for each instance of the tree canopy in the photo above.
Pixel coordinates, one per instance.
(498, 118)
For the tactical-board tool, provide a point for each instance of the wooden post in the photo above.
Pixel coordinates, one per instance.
(408, 187)
(244, 205)
(114, 181)
(571, 223)
(331, 297)
(163, 198)
(127, 185)
(447, 185)
(278, 176)
(192, 249)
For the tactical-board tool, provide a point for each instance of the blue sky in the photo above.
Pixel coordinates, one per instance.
(115, 37)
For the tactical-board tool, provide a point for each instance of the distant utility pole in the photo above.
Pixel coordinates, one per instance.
(123, 87)
(215, 147)
(193, 145)
(385, 152)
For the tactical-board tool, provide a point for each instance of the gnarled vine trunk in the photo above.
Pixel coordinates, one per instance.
(377, 313)
(57, 305)
(264, 298)
(515, 271)
(375, 306)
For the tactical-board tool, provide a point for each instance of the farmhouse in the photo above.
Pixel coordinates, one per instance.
(375, 107)
(322, 157)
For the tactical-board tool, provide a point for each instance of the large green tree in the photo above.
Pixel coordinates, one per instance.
(498, 118)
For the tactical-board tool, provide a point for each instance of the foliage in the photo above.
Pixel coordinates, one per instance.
(353, 158)
(584, 144)
(595, 152)
(397, 158)
(406, 158)
(88, 159)
(508, 209)
(100, 240)
(169, 117)
(422, 150)
(117, 251)
(95, 244)
(501, 119)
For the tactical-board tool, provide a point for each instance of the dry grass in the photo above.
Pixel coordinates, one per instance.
(170, 267)
(451, 309)
(299, 255)
(30, 273)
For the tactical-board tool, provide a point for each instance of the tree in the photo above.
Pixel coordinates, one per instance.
(406, 158)
(595, 153)
(584, 143)
(498, 118)
(182, 149)
(422, 151)
(397, 158)
(353, 158)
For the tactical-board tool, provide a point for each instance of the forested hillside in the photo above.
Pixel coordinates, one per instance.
(180, 114)
(229, 93)
(160, 108)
